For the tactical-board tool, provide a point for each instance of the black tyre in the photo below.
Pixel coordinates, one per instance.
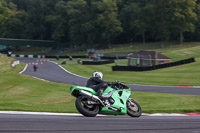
(84, 108)
(133, 108)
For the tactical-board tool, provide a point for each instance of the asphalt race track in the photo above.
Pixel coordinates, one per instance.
(52, 72)
(78, 124)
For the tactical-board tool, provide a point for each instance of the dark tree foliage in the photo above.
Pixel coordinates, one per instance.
(100, 23)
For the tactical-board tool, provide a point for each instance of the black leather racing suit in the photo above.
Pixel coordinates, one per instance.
(97, 84)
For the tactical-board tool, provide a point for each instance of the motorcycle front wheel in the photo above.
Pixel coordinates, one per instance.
(133, 108)
(84, 108)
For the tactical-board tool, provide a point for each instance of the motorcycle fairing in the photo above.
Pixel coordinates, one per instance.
(75, 89)
(120, 97)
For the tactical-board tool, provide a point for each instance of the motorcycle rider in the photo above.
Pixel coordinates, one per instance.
(96, 83)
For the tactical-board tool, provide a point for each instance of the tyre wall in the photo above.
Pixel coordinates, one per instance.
(134, 68)
(97, 62)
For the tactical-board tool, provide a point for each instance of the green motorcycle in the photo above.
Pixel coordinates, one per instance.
(117, 101)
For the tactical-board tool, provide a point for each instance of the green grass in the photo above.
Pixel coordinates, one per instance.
(167, 103)
(24, 93)
(21, 92)
(188, 74)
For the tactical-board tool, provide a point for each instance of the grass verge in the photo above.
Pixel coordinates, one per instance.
(24, 93)
(188, 74)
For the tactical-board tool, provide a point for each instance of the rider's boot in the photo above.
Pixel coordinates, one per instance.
(99, 93)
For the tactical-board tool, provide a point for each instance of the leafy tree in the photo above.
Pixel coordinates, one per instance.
(135, 18)
(59, 22)
(183, 16)
(35, 22)
(81, 23)
(195, 36)
(107, 20)
(161, 20)
(76, 11)
(98, 23)
(5, 13)
(15, 23)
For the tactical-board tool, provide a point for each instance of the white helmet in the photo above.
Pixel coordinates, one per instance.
(98, 74)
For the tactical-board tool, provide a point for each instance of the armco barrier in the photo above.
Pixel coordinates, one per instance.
(97, 62)
(79, 56)
(64, 56)
(50, 56)
(74, 56)
(113, 57)
(134, 68)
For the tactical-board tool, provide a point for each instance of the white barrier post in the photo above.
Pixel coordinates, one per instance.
(22, 56)
(30, 56)
(13, 55)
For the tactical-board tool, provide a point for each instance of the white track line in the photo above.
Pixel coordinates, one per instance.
(24, 69)
(68, 71)
(196, 86)
(76, 114)
(41, 113)
(40, 79)
(38, 113)
(165, 114)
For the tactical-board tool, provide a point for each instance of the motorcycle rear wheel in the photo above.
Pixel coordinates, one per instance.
(133, 109)
(84, 108)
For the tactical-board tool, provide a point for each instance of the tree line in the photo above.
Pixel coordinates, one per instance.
(100, 23)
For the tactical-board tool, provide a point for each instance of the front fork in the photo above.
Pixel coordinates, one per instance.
(131, 105)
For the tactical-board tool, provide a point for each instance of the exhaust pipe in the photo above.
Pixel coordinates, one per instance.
(91, 96)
